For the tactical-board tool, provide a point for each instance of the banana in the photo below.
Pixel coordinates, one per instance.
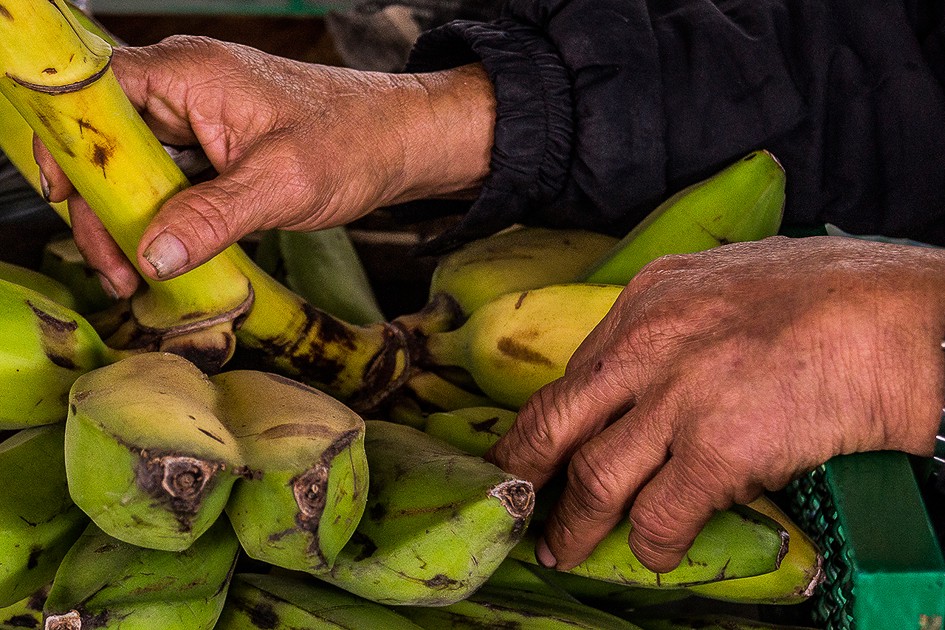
(710, 622)
(743, 202)
(63, 262)
(305, 484)
(26, 613)
(437, 523)
(516, 260)
(735, 543)
(473, 430)
(147, 457)
(38, 520)
(491, 608)
(44, 347)
(324, 268)
(67, 93)
(515, 575)
(107, 584)
(39, 282)
(285, 602)
(795, 580)
(519, 342)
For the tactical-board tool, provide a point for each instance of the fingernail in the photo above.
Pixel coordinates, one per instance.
(544, 556)
(108, 287)
(167, 254)
(44, 185)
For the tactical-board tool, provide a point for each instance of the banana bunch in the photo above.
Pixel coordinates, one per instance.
(38, 520)
(287, 602)
(107, 584)
(437, 522)
(156, 450)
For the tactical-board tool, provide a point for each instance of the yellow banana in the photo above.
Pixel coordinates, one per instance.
(743, 202)
(515, 260)
(519, 342)
(437, 522)
(38, 520)
(107, 584)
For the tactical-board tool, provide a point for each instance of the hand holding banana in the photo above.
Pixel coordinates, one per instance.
(720, 374)
(297, 146)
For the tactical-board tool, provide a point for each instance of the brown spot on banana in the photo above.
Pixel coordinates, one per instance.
(5, 13)
(520, 352)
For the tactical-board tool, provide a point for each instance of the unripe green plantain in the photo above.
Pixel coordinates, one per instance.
(284, 602)
(743, 202)
(26, 613)
(516, 260)
(519, 342)
(800, 573)
(305, 486)
(490, 608)
(515, 575)
(473, 430)
(735, 543)
(62, 261)
(437, 522)
(44, 347)
(106, 584)
(38, 520)
(39, 282)
(607, 594)
(710, 622)
(146, 455)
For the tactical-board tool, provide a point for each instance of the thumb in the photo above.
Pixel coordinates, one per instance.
(201, 221)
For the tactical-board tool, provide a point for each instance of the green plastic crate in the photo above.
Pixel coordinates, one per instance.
(883, 563)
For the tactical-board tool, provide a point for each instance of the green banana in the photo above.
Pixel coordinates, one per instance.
(515, 575)
(39, 282)
(743, 202)
(795, 580)
(492, 608)
(609, 595)
(146, 455)
(437, 523)
(26, 613)
(735, 543)
(710, 622)
(519, 342)
(62, 261)
(284, 602)
(324, 268)
(44, 347)
(515, 260)
(473, 430)
(38, 520)
(305, 483)
(108, 584)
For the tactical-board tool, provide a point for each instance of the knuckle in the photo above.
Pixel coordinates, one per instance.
(596, 489)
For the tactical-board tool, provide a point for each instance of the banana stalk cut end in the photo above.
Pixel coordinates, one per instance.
(518, 499)
(179, 480)
(68, 621)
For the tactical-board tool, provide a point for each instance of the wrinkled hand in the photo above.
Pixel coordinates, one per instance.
(296, 145)
(720, 374)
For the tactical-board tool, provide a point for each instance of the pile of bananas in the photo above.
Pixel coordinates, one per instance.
(238, 448)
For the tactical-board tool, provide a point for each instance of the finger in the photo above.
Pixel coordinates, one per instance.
(53, 183)
(118, 276)
(603, 478)
(203, 220)
(671, 510)
(561, 416)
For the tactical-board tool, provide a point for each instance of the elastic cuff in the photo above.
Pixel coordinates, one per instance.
(533, 130)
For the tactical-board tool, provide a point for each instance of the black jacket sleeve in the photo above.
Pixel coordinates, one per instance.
(605, 107)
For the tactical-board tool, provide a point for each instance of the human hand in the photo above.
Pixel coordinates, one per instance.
(297, 146)
(721, 374)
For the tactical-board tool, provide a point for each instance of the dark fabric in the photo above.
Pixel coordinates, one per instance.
(605, 107)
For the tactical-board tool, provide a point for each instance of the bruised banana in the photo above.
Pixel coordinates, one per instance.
(146, 455)
(437, 522)
(491, 608)
(44, 348)
(515, 260)
(743, 202)
(285, 602)
(519, 342)
(38, 520)
(306, 476)
(106, 584)
(26, 613)
(154, 448)
(67, 93)
(795, 580)
(39, 282)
